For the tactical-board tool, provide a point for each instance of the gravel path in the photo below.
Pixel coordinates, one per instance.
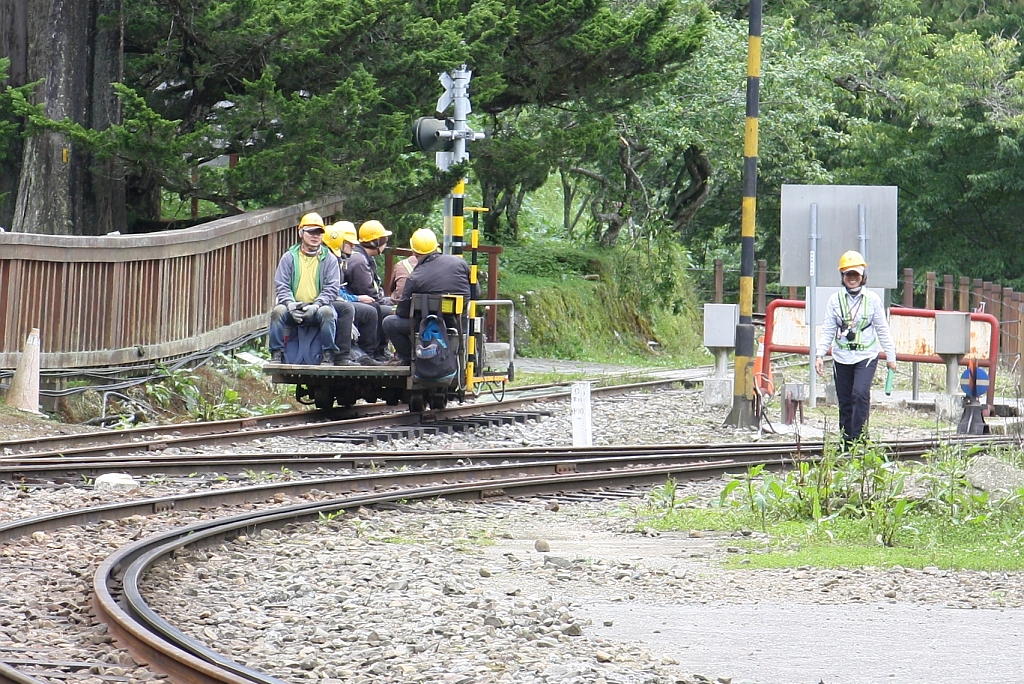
(459, 594)
(442, 589)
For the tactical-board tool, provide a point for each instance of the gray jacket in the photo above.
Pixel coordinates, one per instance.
(328, 276)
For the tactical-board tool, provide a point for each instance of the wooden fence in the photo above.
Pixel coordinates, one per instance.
(112, 300)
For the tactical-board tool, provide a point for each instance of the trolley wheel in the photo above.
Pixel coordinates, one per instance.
(417, 402)
(438, 400)
(323, 398)
(303, 395)
(393, 399)
(346, 398)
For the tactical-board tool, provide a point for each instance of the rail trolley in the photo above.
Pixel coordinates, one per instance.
(483, 364)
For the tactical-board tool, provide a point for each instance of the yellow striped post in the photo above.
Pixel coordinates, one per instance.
(742, 414)
(458, 217)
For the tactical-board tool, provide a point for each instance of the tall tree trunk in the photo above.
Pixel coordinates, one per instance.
(76, 46)
(14, 46)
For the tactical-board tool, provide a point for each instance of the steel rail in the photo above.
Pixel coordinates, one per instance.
(601, 467)
(153, 639)
(153, 437)
(332, 426)
(34, 470)
(569, 464)
(374, 481)
(137, 435)
(140, 436)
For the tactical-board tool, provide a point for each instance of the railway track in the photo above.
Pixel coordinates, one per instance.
(395, 477)
(375, 479)
(117, 444)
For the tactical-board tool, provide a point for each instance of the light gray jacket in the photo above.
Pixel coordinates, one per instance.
(874, 338)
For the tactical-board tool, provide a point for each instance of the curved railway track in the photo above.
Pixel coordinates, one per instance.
(398, 476)
(372, 478)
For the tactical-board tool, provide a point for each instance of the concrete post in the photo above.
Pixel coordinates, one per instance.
(24, 390)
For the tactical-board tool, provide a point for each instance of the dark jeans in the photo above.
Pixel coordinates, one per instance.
(383, 311)
(367, 321)
(397, 330)
(853, 391)
(343, 335)
(280, 319)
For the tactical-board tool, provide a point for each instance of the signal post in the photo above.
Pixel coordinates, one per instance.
(447, 138)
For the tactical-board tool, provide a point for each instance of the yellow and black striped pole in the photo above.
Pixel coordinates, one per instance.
(742, 414)
(475, 338)
(458, 217)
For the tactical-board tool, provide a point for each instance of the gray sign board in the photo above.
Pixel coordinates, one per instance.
(839, 211)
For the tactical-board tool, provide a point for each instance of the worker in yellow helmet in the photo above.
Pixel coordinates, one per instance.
(353, 310)
(364, 281)
(856, 329)
(306, 283)
(422, 242)
(435, 273)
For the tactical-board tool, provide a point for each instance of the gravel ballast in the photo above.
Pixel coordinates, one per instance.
(459, 593)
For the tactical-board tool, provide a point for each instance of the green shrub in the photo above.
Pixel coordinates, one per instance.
(593, 304)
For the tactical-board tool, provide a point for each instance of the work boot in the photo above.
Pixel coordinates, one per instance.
(361, 358)
(343, 360)
(277, 356)
(327, 359)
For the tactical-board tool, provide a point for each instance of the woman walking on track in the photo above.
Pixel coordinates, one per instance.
(856, 328)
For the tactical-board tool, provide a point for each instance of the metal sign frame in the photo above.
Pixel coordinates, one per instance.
(860, 217)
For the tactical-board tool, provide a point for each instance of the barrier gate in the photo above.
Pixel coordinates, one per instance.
(913, 331)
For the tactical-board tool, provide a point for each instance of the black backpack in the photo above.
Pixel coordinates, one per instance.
(435, 360)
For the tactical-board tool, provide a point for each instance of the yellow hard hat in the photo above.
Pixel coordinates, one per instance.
(423, 241)
(371, 230)
(310, 220)
(339, 233)
(348, 231)
(333, 239)
(852, 260)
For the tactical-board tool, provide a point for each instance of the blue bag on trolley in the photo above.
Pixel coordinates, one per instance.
(302, 345)
(435, 360)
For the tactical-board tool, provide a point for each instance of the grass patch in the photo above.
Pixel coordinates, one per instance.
(402, 540)
(624, 305)
(554, 377)
(862, 509)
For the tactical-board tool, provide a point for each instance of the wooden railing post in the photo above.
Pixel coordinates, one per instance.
(978, 285)
(929, 290)
(947, 292)
(793, 294)
(762, 285)
(719, 281)
(1019, 296)
(908, 287)
(1007, 321)
(964, 294)
(995, 295)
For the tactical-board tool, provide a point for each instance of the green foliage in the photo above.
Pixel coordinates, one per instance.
(317, 97)
(855, 510)
(179, 390)
(552, 260)
(665, 498)
(630, 297)
(864, 485)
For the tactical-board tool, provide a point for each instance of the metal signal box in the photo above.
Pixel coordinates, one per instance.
(952, 333)
(720, 321)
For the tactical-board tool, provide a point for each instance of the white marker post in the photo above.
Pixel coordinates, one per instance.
(581, 430)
